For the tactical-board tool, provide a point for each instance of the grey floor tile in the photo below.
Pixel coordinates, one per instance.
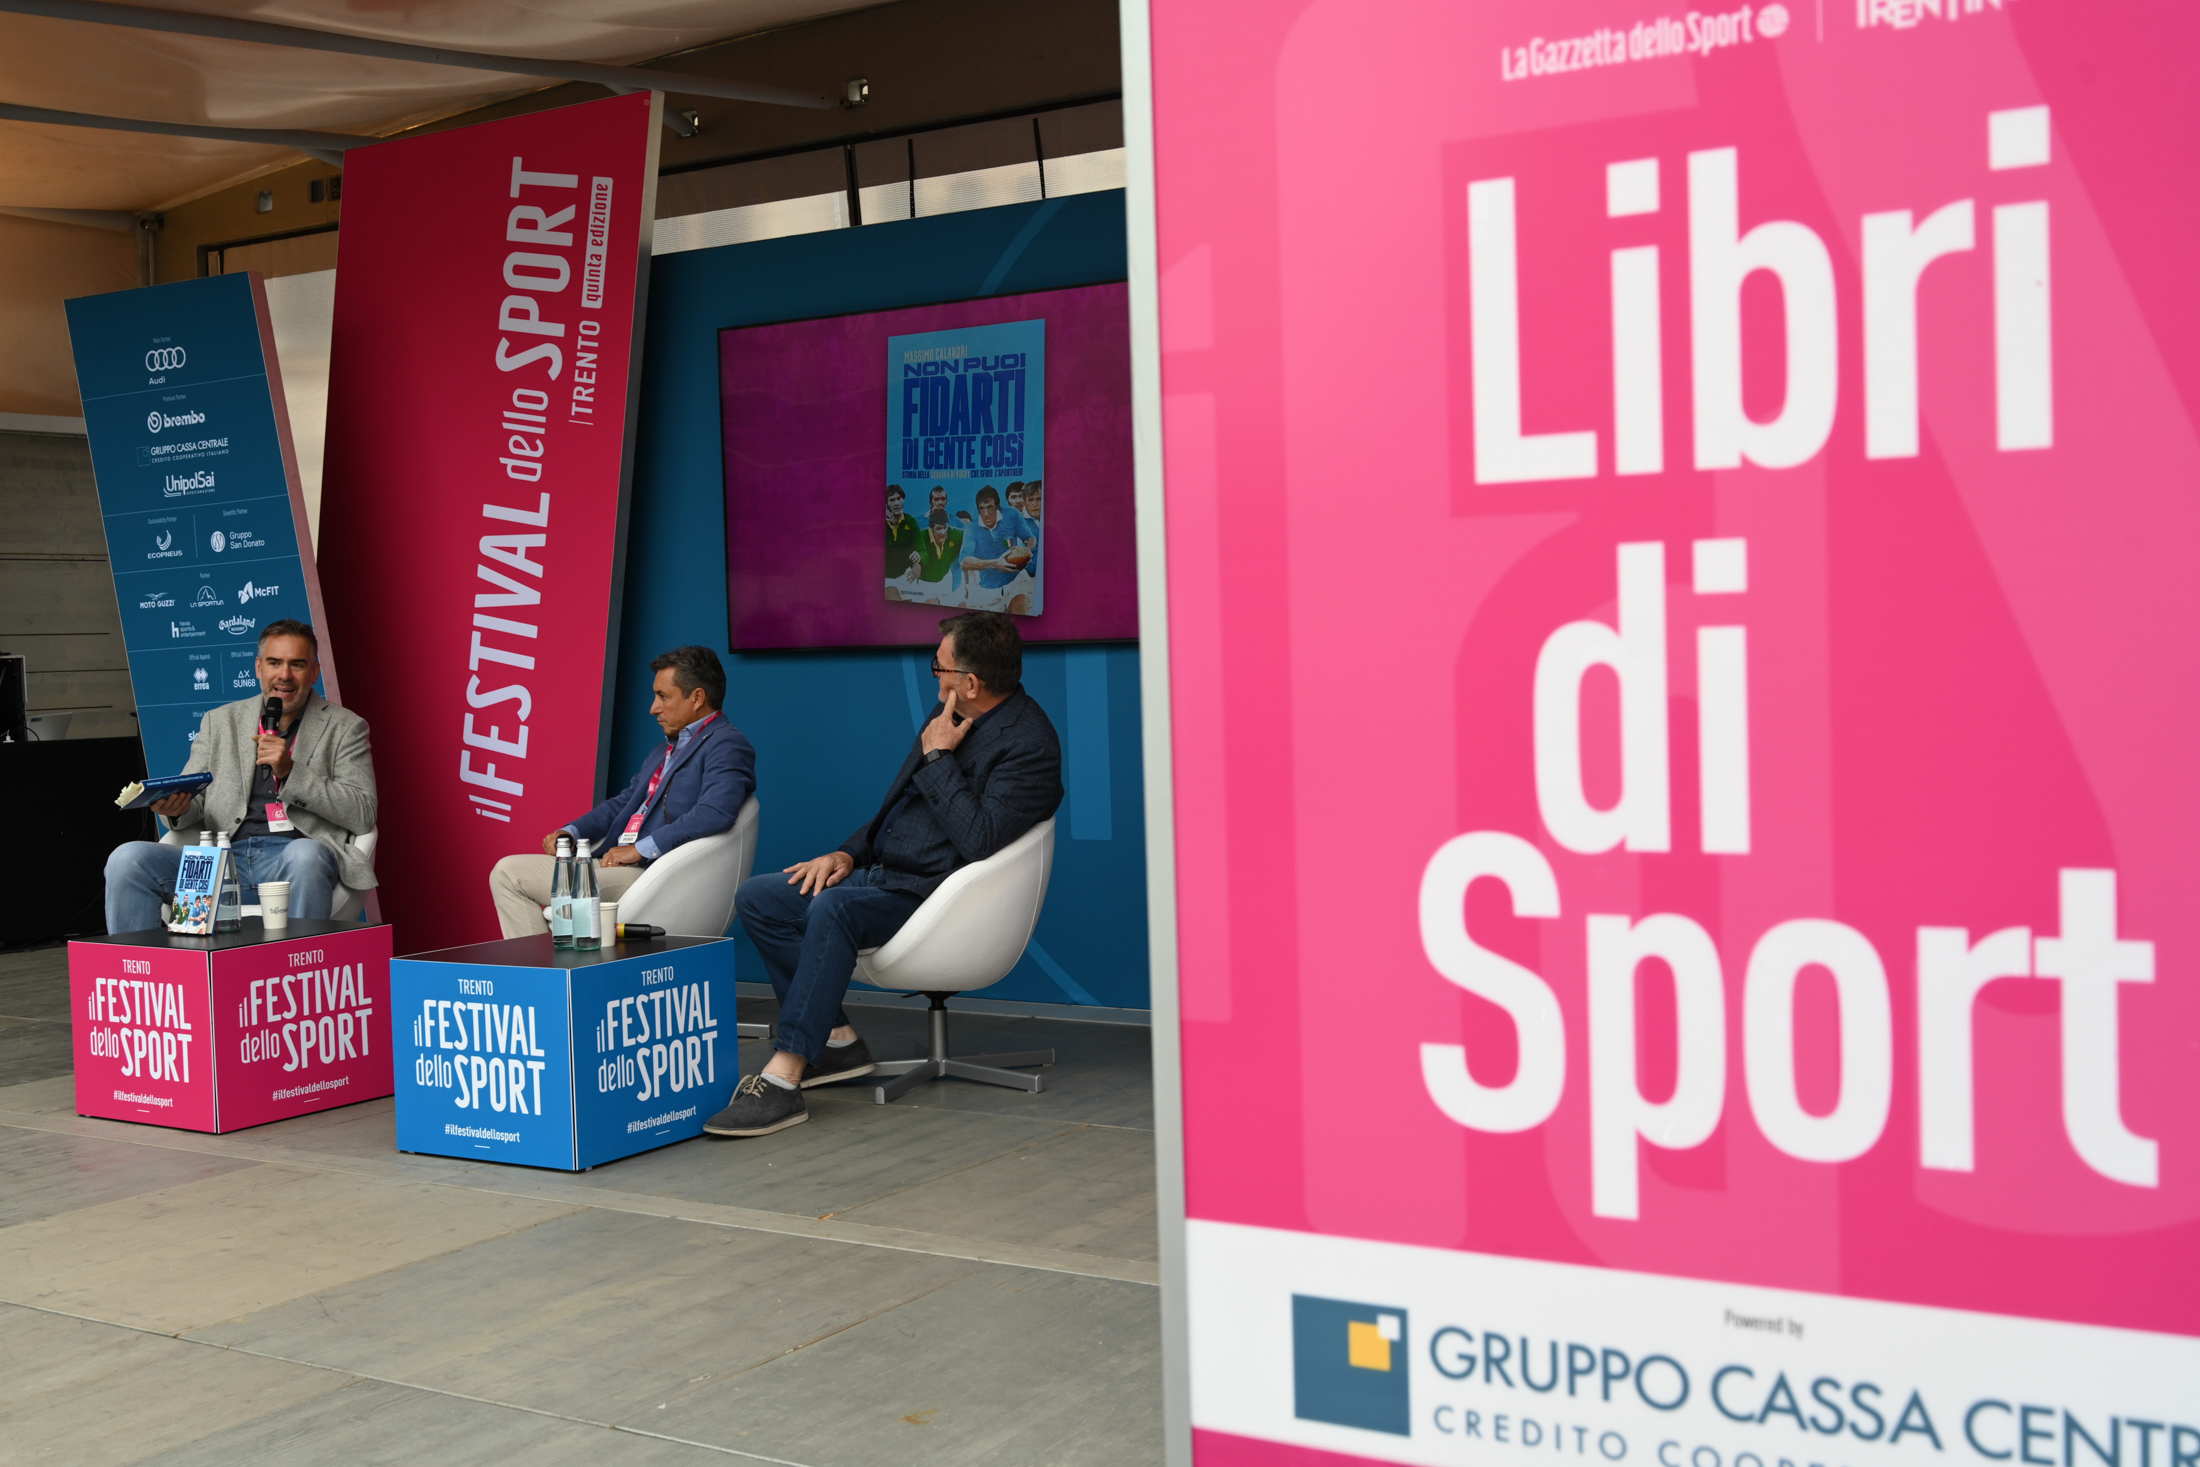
(226, 1245)
(42, 1175)
(54, 1095)
(599, 1315)
(847, 1153)
(1090, 1190)
(35, 984)
(87, 1394)
(1006, 1366)
(368, 1423)
(34, 1049)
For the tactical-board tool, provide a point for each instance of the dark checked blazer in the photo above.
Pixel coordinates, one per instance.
(1003, 779)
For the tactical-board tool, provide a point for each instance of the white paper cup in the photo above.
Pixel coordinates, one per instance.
(610, 928)
(274, 905)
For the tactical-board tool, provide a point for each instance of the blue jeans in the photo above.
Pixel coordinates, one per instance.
(810, 944)
(141, 878)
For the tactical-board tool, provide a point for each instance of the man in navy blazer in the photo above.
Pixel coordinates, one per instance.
(695, 786)
(986, 768)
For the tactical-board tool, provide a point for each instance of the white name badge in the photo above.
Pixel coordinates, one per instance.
(277, 817)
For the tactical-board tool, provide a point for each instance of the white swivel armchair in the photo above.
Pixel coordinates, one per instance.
(967, 935)
(344, 903)
(689, 890)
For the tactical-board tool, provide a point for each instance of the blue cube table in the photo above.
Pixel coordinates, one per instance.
(517, 1051)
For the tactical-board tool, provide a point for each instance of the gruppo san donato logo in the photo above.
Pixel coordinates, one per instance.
(1349, 1364)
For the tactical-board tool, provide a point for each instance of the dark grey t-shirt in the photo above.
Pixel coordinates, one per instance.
(263, 790)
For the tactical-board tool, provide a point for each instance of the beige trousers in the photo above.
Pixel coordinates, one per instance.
(521, 887)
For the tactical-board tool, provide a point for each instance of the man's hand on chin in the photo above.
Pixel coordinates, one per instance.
(830, 869)
(622, 856)
(944, 732)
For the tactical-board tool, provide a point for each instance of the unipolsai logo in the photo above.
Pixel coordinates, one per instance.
(1349, 1364)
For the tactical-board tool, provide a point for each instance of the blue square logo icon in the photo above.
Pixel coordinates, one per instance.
(1349, 1364)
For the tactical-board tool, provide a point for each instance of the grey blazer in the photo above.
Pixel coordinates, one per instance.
(330, 792)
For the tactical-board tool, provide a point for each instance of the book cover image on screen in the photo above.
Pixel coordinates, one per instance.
(1003, 471)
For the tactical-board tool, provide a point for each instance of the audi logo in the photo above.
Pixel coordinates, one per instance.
(164, 359)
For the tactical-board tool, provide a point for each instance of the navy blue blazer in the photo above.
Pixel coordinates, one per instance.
(709, 782)
(1001, 780)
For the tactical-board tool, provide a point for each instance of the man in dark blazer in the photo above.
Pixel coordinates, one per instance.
(695, 786)
(986, 768)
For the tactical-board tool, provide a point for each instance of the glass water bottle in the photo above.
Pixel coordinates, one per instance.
(587, 906)
(229, 906)
(561, 895)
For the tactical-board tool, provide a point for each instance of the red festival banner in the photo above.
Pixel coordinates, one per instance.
(1681, 534)
(479, 445)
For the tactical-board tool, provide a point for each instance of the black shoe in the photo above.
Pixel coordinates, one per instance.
(758, 1108)
(844, 1063)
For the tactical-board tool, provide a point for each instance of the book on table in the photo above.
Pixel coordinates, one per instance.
(198, 890)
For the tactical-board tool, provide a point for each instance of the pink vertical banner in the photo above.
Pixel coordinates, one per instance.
(480, 443)
(1679, 532)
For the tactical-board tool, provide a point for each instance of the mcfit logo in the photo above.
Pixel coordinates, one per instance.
(1349, 1364)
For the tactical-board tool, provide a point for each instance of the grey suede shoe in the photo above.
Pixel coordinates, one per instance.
(758, 1108)
(844, 1063)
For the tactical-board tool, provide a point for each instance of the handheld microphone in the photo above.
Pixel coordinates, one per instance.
(271, 716)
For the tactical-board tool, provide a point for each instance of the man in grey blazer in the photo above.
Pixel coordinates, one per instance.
(293, 802)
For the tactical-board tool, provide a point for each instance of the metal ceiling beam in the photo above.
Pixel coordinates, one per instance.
(327, 146)
(267, 33)
(88, 218)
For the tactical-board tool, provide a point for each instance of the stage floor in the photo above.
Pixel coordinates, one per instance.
(965, 1276)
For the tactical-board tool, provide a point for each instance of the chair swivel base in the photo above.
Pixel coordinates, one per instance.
(902, 1076)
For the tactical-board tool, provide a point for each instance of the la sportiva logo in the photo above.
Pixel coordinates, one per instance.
(1348, 1364)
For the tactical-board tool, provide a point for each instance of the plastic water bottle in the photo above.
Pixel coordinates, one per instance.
(561, 895)
(587, 905)
(229, 907)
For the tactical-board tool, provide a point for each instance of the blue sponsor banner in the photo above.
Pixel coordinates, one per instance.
(513, 1051)
(182, 401)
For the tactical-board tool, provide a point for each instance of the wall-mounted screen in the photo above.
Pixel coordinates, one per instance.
(888, 468)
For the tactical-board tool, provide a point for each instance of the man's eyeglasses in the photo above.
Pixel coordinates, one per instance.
(939, 671)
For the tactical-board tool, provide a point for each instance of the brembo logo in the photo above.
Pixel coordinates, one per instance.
(164, 359)
(156, 420)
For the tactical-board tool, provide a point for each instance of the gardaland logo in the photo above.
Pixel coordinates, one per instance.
(245, 595)
(237, 626)
(1348, 1364)
(164, 359)
(157, 420)
(207, 596)
(217, 540)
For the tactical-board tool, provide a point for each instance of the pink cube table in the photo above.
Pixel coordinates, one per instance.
(221, 1033)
